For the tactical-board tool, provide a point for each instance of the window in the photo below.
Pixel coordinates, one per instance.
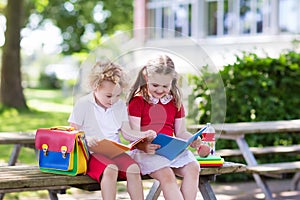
(289, 16)
(229, 17)
(171, 15)
(223, 17)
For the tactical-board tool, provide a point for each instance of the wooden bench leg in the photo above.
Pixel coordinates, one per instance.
(53, 194)
(251, 161)
(295, 181)
(154, 191)
(13, 159)
(261, 182)
(205, 187)
(14, 154)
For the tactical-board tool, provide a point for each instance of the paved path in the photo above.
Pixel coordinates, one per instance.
(224, 191)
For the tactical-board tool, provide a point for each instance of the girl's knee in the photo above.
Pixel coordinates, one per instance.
(192, 169)
(164, 176)
(196, 166)
(111, 170)
(133, 169)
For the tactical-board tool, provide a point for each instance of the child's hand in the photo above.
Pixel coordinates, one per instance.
(150, 135)
(151, 148)
(91, 141)
(147, 147)
(196, 143)
(203, 150)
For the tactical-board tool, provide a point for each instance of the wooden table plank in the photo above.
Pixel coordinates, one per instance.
(17, 138)
(291, 149)
(18, 177)
(279, 168)
(241, 128)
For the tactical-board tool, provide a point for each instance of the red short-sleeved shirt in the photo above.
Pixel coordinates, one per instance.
(158, 117)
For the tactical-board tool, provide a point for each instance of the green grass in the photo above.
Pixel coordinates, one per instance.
(47, 108)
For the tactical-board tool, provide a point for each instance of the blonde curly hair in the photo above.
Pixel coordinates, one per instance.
(107, 71)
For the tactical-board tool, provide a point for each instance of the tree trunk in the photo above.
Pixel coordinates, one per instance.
(11, 87)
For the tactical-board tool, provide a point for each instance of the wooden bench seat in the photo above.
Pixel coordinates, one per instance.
(261, 151)
(29, 178)
(276, 168)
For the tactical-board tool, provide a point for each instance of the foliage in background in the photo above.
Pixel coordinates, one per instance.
(82, 23)
(83, 26)
(49, 81)
(257, 89)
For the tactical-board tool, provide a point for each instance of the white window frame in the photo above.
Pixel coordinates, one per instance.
(199, 17)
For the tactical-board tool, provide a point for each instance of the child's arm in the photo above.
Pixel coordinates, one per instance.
(91, 141)
(132, 134)
(74, 125)
(181, 132)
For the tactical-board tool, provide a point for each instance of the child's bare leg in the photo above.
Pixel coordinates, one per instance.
(189, 185)
(108, 182)
(168, 183)
(134, 182)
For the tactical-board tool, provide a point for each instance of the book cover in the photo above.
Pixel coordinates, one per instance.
(209, 158)
(171, 147)
(212, 162)
(211, 165)
(111, 148)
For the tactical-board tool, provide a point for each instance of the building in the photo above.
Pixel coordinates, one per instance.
(221, 28)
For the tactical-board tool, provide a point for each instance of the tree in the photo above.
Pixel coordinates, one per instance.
(74, 18)
(11, 88)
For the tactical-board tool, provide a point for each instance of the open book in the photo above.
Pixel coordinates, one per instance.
(171, 147)
(111, 148)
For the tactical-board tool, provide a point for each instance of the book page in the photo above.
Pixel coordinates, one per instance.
(132, 144)
(196, 135)
(109, 148)
(171, 147)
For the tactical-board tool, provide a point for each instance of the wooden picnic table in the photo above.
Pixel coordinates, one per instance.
(237, 132)
(19, 140)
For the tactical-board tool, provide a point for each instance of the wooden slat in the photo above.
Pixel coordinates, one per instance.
(292, 149)
(277, 168)
(239, 128)
(21, 178)
(33, 189)
(17, 138)
(227, 168)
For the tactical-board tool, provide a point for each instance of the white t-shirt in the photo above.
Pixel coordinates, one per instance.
(95, 121)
